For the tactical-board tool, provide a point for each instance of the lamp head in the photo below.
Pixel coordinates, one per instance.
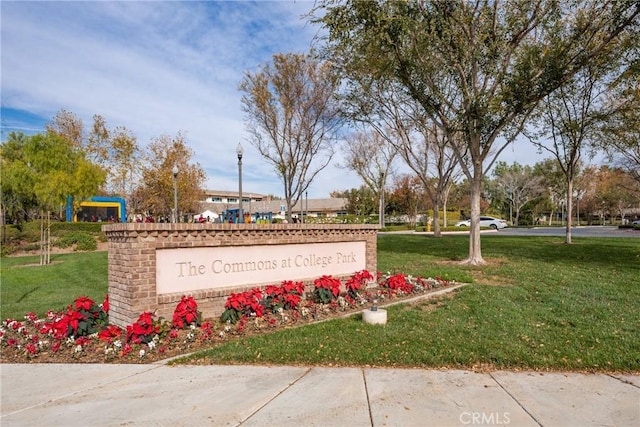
(239, 151)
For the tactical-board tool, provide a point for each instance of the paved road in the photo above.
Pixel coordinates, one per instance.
(582, 231)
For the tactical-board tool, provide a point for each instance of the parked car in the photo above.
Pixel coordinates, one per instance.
(636, 222)
(485, 221)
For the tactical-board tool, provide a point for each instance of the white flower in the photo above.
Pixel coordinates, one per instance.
(192, 326)
(78, 349)
(152, 345)
(117, 344)
(221, 334)
(142, 352)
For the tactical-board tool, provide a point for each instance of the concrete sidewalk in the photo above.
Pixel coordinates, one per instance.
(109, 395)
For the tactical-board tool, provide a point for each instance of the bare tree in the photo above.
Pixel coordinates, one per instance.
(403, 124)
(428, 152)
(516, 185)
(292, 118)
(114, 150)
(371, 157)
(569, 122)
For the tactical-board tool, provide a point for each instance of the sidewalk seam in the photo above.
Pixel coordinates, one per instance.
(622, 380)
(515, 400)
(366, 392)
(287, 387)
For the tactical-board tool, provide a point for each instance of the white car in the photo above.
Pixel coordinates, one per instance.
(485, 221)
(636, 222)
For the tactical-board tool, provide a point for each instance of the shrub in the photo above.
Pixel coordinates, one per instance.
(83, 241)
(186, 313)
(243, 304)
(357, 282)
(398, 283)
(327, 288)
(84, 317)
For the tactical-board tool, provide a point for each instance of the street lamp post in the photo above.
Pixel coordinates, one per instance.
(175, 193)
(239, 153)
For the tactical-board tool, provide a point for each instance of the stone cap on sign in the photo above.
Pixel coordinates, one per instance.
(144, 226)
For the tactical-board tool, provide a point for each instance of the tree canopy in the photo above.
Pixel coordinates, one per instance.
(292, 118)
(477, 68)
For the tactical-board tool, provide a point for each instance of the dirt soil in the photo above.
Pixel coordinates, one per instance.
(101, 246)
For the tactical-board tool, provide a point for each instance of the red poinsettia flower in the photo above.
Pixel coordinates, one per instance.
(73, 319)
(105, 304)
(110, 333)
(83, 303)
(330, 283)
(186, 312)
(289, 287)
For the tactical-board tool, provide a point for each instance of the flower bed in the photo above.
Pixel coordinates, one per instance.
(82, 333)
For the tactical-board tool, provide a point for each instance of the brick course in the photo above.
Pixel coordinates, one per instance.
(132, 259)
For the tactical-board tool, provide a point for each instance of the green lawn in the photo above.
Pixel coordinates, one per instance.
(27, 286)
(537, 304)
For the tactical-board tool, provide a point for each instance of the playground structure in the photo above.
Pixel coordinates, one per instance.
(232, 216)
(98, 209)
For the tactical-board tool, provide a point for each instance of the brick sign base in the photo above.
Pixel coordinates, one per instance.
(210, 261)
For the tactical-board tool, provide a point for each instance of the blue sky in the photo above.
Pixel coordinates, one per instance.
(159, 68)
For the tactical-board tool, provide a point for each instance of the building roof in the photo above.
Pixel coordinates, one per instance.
(328, 205)
(223, 193)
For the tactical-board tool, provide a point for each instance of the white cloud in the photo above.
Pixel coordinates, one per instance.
(157, 68)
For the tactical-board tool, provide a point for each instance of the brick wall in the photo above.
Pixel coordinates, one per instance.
(132, 259)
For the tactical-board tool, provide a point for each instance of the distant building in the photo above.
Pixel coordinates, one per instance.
(97, 209)
(221, 201)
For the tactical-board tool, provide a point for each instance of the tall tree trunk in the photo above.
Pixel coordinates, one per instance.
(436, 218)
(444, 211)
(569, 210)
(381, 210)
(42, 239)
(475, 252)
(48, 247)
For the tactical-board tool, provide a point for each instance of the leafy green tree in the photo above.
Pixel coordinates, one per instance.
(46, 169)
(477, 68)
(360, 201)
